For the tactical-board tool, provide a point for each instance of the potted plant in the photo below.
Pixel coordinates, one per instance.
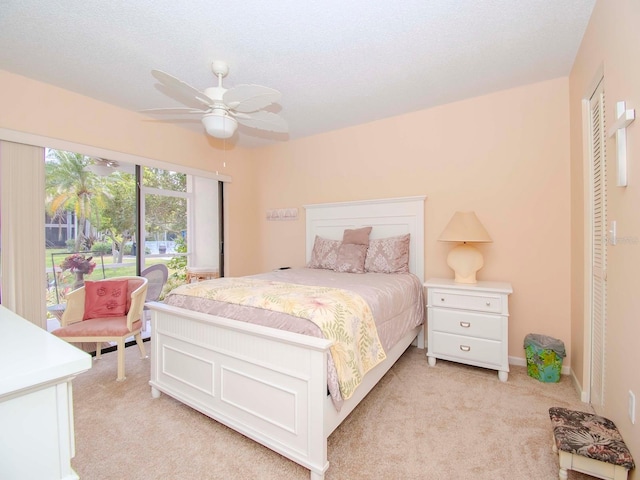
(79, 265)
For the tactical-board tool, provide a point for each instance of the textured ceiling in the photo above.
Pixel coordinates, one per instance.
(337, 63)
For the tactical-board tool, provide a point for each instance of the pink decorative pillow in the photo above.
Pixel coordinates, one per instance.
(324, 253)
(388, 255)
(106, 298)
(351, 258)
(357, 236)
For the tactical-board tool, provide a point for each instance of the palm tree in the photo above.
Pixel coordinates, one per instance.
(118, 221)
(70, 186)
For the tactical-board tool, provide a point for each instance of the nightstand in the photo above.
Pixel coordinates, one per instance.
(468, 323)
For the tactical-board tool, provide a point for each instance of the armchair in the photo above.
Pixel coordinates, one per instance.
(78, 325)
(157, 275)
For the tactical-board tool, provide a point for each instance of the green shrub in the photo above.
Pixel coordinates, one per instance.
(173, 281)
(179, 264)
(102, 247)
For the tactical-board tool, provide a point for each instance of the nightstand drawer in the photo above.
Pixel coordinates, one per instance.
(467, 349)
(469, 324)
(466, 301)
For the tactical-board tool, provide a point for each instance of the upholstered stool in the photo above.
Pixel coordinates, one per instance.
(589, 444)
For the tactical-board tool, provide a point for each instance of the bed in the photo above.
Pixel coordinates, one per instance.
(271, 385)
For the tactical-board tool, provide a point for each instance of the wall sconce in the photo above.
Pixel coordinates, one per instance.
(465, 260)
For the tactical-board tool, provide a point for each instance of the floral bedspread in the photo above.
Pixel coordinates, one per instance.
(341, 315)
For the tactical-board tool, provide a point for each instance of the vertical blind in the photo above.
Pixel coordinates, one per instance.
(22, 232)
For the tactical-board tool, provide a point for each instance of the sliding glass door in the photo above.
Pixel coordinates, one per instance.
(105, 219)
(90, 223)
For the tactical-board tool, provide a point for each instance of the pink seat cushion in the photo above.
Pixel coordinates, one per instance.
(98, 327)
(105, 298)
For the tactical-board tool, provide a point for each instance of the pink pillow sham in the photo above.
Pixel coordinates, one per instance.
(351, 258)
(324, 254)
(388, 255)
(357, 254)
(357, 236)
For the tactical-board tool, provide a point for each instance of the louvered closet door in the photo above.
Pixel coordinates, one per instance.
(599, 248)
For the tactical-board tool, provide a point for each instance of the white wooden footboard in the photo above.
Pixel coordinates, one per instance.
(267, 384)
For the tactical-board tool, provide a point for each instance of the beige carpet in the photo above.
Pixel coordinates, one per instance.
(447, 422)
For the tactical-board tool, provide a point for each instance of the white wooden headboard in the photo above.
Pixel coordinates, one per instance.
(388, 217)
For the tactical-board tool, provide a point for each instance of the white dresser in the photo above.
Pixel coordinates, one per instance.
(468, 323)
(36, 406)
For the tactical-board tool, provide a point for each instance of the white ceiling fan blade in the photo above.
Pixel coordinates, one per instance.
(249, 98)
(105, 162)
(263, 121)
(177, 110)
(181, 87)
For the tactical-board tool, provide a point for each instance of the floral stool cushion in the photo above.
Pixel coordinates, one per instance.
(591, 436)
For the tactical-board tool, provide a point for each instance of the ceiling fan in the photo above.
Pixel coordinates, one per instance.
(222, 109)
(102, 166)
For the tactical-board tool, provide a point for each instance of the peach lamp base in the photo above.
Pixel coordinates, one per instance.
(465, 260)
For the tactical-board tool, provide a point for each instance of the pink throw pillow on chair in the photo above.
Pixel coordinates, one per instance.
(107, 298)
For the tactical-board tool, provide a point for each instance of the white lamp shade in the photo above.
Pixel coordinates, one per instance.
(465, 260)
(464, 227)
(219, 125)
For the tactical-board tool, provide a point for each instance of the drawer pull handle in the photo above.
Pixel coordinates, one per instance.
(465, 348)
(488, 304)
(442, 299)
(465, 324)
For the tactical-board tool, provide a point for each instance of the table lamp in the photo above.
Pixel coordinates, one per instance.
(465, 259)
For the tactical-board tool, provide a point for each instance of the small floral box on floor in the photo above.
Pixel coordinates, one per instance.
(544, 357)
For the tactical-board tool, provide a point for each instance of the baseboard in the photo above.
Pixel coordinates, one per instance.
(518, 361)
(584, 395)
(522, 362)
(566, 370)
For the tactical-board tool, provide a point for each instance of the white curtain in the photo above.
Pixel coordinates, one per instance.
(22, 238)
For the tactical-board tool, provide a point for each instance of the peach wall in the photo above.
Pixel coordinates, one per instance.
(37, 108)
(505, 156)
(611, 44)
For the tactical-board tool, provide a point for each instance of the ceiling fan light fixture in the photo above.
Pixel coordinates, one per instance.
(219, 125)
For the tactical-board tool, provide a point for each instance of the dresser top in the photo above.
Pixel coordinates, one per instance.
(31, 356)
(483, 286)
